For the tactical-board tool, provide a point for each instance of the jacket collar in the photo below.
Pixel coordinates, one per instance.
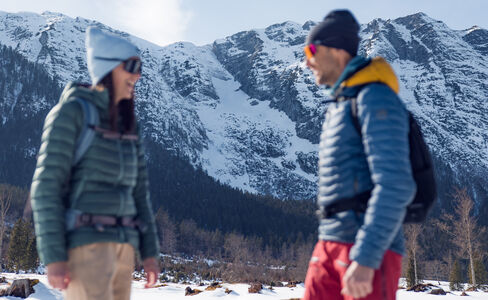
(360, 71)
(98, 98)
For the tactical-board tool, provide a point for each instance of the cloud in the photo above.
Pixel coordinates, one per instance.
(159, 21)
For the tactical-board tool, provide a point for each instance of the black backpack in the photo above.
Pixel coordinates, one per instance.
(422, 171)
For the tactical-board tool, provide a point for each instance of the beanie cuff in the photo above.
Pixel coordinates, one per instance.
(347, 43)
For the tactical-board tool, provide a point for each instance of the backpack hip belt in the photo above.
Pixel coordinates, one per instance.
(76, 219)
(357, 203)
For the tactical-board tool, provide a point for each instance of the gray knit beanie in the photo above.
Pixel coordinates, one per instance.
(105, 51)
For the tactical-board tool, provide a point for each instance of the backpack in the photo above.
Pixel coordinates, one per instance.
(91, 120)
(422, 171)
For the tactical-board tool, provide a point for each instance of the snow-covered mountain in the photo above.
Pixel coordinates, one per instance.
(246, 109)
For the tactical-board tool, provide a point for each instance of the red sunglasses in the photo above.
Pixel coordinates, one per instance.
(310, 50)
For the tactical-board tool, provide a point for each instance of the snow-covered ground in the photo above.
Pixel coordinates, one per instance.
(175, 291)
(171, 291)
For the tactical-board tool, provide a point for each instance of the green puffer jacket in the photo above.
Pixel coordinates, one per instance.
(110, 179)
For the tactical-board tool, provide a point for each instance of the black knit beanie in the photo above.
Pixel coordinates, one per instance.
(339, 29)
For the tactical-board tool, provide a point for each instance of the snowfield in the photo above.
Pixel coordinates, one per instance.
(175, 291)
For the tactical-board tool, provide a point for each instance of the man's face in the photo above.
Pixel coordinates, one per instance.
(324, 65)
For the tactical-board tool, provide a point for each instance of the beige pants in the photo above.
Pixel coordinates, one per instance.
(100, 271)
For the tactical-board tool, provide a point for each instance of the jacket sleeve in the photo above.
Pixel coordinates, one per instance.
(149, 244)
(51, 176)
(384, 127)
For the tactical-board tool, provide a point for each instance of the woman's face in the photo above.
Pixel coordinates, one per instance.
(123, 83)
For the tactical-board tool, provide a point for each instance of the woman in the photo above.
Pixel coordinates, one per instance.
(92, 210)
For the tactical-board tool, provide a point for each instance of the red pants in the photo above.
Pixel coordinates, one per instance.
(329, 264)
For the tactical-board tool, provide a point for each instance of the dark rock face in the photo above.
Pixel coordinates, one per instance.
(308, 162)
(185, 76)
(244, 61)
(285, 34)
(478, 38)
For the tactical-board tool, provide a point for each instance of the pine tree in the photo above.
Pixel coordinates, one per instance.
(31, 260)
(455, 278)
(21, 253)
(19, 240)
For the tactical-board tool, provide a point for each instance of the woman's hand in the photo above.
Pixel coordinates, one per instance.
(58, 275)
(151, 268)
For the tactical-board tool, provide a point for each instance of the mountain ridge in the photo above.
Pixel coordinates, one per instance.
(247, 111)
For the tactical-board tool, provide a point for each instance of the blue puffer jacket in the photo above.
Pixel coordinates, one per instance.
(378, 159)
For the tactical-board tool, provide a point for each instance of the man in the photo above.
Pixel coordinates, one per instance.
(361, 155)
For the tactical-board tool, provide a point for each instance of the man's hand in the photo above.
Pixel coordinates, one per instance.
(58, 275)
(151, 268)
(358, 281)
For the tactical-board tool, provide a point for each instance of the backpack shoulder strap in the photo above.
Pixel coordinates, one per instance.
(351, 94)
(91, 119)
(354, 107)
(354, 113)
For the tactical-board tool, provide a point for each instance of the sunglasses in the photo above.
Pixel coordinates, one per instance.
(310, 50)
(133, 66)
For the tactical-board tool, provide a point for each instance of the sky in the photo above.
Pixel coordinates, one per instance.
(204, 21)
